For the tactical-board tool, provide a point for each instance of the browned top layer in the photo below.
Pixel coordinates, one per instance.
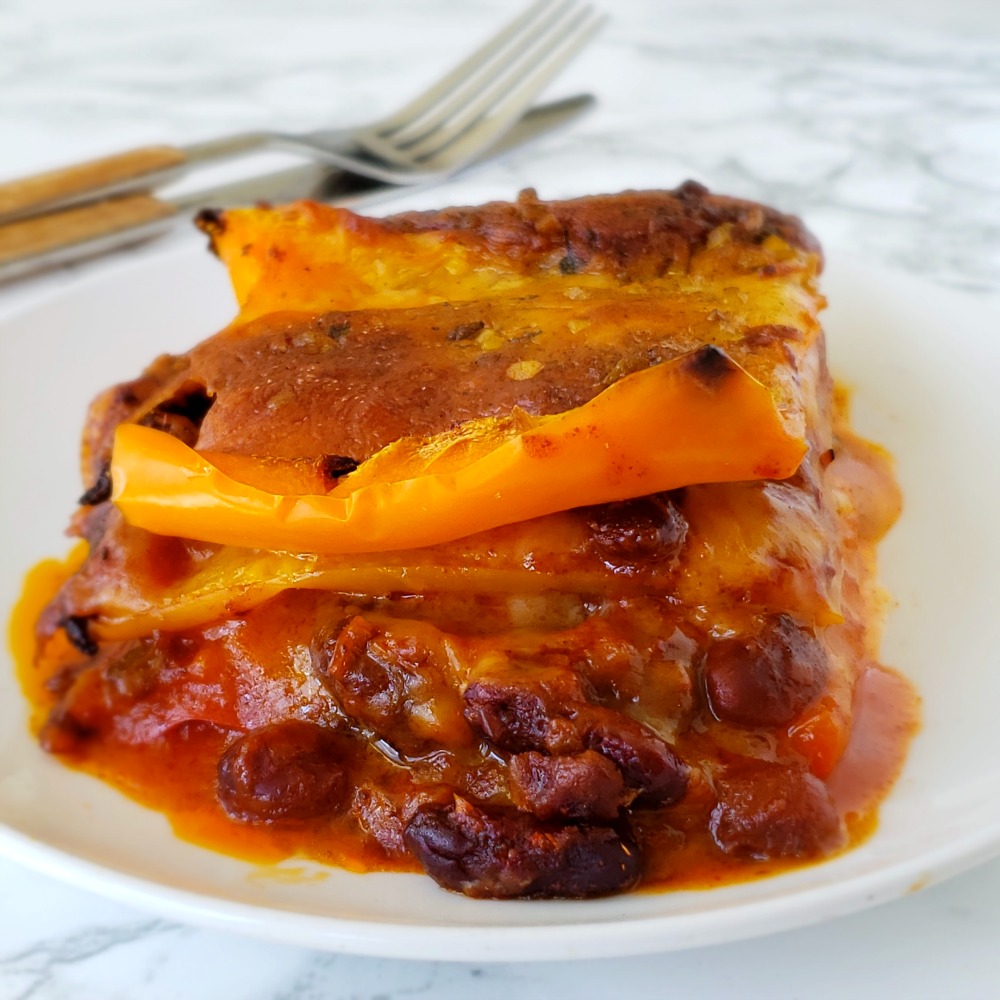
(355, 331)
(315, 258)
(610, 232)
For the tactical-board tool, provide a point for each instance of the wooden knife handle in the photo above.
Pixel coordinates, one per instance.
(29, 194)
(43, 233)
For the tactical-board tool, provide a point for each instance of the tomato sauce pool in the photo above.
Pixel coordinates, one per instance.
(178, 777)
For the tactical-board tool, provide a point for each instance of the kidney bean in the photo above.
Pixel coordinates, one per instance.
(624, 534)
(574, 786)
(530, 714)
(768, 810)
(528, 710)
(766, 679)
(379, 816)
(366, 688)
(646, 762)
(289, 770)
(392, 683)
(503, 855)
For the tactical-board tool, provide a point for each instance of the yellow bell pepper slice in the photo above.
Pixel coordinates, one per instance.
(699, 418)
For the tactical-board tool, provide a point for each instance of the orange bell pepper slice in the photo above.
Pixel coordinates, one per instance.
(699, 418)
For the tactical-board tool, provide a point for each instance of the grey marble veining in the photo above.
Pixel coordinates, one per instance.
(878, 121)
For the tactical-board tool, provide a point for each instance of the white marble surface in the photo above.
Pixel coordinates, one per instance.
(878, 121)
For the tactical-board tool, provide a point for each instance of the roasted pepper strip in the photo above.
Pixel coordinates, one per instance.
(697, 419)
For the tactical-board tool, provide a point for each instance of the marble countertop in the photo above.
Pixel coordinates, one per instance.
(877, 121)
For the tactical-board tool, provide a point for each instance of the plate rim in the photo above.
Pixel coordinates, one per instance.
(628, 936)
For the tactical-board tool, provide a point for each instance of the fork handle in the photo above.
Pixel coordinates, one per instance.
(44, 233)
(29, 195)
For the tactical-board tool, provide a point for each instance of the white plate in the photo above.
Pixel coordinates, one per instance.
(926, 368)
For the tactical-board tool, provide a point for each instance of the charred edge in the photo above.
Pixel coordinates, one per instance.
(570, 264)
(690, 191)
(466, 331)
(709, 365)
(335, 466)
(212, 222)
(100, 491)
(193, 404)
(77, 630)
(182, 415)
(63, 733)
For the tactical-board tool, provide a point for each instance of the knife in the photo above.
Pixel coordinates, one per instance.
(83, 231)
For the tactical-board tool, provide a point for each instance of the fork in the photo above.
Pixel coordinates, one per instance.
(72, 234)
(433, 136)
